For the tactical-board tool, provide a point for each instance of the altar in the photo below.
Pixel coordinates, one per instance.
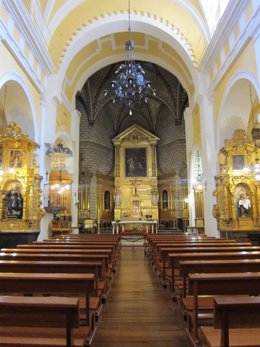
(135, 225)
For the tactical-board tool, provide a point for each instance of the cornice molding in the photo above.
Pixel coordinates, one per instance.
(24, 62)
(67, 104)
(250, 31)
(224, 29)
(33, 37)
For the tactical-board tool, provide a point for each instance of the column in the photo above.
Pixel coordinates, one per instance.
(75, 123)
(209, 155)
(154, 166)
(42, 166)
(189, 144)
(117, 158)
(256, 40)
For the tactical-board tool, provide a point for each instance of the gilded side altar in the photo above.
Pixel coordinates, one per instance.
(237, 190)
(20, 193)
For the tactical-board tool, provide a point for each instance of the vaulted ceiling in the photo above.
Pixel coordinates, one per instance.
(170, 96)
(86, 36)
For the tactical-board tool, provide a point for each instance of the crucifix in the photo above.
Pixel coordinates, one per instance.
(135, 183)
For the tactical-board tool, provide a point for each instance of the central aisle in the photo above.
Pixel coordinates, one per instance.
(138, 311)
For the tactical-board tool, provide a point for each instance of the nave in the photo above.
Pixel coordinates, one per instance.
(139, 311)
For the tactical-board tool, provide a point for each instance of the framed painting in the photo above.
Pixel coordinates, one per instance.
(16, 158)
(135, 162)
(238, 162)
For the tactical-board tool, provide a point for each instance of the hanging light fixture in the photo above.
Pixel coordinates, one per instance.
(199, 182)
(130, 86)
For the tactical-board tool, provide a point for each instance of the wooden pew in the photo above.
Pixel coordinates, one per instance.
(83, 267)
(236, 322)
(93, 247)
(61, 284)
(41, 321)
(151, 241)
(156, 246)
(217, 284)
(206, 247)
(62, 255)
(216, 266)
(174, 260)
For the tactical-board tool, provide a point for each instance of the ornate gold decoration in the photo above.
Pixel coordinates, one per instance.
(136, 137)
(136, 186)
(20, 193)
(237, 192)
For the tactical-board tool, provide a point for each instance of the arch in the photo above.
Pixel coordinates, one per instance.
(232, 102)
(175, 20)
(12, 77)
(101, 28)
(66, 137)
(99, 65)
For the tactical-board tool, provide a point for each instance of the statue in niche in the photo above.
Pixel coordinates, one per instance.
(107, 200)
(242, 201)
(14, 204)
(165, 199)
(244, 206)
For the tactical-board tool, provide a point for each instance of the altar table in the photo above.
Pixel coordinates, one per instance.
(150, 226)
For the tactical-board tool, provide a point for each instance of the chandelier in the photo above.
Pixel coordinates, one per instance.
(198, 180)
(130, 86)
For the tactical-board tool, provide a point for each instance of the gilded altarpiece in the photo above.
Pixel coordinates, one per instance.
(237, 190)
(20, 193)
(136, 182)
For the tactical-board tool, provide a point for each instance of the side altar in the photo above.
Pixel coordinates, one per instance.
(20, 192)
(237, 207)
(136, 178)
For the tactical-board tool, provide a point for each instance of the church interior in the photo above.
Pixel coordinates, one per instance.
(123, 127)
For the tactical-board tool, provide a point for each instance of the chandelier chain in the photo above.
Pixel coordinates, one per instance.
(129, 26)
(130, 86)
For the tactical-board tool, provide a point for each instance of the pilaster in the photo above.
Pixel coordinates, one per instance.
(75, 123)
(209, 155)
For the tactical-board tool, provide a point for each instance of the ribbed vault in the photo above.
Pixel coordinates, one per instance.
(170, 96)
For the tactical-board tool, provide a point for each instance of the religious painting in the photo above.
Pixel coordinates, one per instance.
(16, 159)
(242, 201)
(238, 162)
(135, 162)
